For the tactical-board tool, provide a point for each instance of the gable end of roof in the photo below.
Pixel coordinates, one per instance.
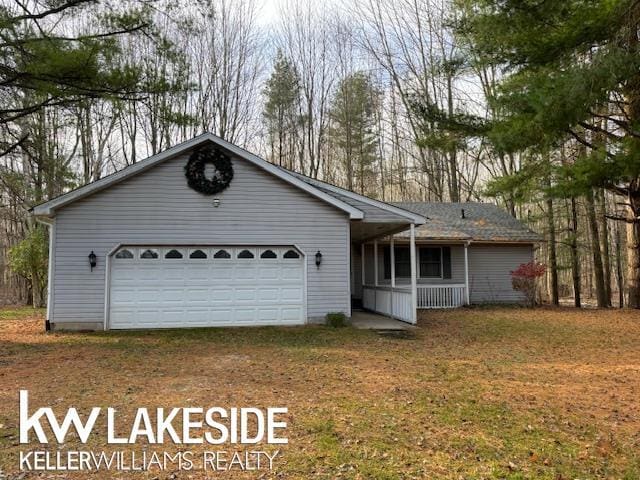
(48, 209)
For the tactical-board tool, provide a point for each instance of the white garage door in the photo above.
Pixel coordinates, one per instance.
(168, 287)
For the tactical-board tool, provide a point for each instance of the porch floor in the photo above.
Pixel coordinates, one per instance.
(373, 321)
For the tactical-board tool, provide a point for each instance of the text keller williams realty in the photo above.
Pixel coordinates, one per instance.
(214, 426)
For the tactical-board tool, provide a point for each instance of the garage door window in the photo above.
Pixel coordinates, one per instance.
(245, 254)
(268, 254)
(171, 254)
(124, 253)
(198, 254)
(149, 254)
(291, 254)
(222, 254)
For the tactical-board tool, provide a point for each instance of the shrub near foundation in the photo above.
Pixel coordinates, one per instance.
(336, 319)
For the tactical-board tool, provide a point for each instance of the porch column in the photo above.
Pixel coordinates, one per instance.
(392, 255)
(414, 280)
(393, 263)
(466, 273)
(362, 264)
(375, 261)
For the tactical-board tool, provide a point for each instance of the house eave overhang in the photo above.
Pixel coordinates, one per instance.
(410, 217)
(48, 209)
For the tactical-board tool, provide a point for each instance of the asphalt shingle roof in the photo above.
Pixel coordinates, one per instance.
(482, 222)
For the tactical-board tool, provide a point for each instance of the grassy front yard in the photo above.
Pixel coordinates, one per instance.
(481, 393)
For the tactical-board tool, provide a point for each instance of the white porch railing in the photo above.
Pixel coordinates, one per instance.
(441, 296)
(385, 299)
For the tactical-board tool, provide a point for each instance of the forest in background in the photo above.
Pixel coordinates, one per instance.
(533, 105)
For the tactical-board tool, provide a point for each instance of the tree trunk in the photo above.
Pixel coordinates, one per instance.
(575, 258)
(553, 260)
(601, 294)
(604, 244)
(633, 254)
(619, 267)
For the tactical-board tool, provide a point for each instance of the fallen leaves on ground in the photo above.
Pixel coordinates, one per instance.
(475, 393)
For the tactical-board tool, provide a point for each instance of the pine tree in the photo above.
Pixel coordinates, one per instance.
(572, 73)
(352, 132)
(281, 109)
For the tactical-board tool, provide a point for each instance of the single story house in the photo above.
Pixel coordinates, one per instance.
(208, 234)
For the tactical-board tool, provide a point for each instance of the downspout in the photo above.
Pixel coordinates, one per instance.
(51, 226)
(467, 294)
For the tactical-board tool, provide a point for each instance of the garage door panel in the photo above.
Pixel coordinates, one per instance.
(291, 294)
(268, 315)
(173, 295)
(178, 292)
(245, 315)
(290, 314)
(269, 295)
(218, 295)
(245, 294)
(221, 316)
(292, 272)
(270, 272)
(244, 272)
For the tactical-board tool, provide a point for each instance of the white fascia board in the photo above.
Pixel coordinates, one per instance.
(414, 217)
(47, 209)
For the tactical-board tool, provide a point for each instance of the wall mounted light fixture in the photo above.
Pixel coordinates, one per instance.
(93, 260)
(318, 259)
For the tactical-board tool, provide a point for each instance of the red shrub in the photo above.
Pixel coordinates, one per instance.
(524, 279)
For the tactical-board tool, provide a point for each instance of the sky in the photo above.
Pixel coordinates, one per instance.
(269, 11)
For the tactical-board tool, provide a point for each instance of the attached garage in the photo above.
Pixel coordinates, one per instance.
(205, 286)
(205, 234)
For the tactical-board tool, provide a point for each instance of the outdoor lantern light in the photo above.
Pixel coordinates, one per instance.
(92, 260)
(216, 202)
(318, 259)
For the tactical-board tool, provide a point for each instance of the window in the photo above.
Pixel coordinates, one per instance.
(430, 262)
(149, 254)
(124, 254)
(173, 254)
(245, 254)
(198, 254)
(403, 262)
(222, 254)
(291, 254)
(268, 254)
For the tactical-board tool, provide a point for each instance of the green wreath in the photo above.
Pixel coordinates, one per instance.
(194, 171)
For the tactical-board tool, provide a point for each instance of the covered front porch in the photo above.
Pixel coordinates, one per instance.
(396, 274)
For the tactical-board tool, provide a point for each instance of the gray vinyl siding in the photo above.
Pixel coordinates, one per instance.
(490, 268)
(158, 207)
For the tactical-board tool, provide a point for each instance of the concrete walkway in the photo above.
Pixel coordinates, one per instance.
(373, 321)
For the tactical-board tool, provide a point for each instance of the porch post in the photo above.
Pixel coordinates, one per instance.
(466, 273)
(392, 255)
(362, 264)
(414, 280)
(375, 261)
(393, 263)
